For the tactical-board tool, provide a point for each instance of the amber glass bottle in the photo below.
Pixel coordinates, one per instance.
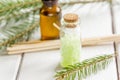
(49, 13)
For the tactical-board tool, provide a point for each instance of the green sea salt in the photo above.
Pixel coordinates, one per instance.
(70, 49)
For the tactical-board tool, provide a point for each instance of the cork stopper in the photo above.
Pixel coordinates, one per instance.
(71, 17)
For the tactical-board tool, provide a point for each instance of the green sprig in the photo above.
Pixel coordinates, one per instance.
(17, 33)
(19, 15)
(84, 69)
(9, 8)
(12, 33)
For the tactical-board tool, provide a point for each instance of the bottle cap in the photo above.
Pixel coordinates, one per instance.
(49, 3)
(71, 17)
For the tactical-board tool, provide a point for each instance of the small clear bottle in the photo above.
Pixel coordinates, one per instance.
(70, 40)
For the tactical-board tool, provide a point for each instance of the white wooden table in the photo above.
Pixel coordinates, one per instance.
(96, 21)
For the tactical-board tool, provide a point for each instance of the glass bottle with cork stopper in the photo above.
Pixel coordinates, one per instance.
(49, 13)
(70, 40)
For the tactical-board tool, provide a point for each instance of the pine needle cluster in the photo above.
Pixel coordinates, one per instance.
(84, 69)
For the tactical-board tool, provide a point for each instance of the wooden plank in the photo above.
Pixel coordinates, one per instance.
(116, 9)
(95, 21)
(117, 19)
(9, 67)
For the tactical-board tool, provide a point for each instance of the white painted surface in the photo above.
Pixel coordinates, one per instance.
(9, 67)
(95, 21)
(39, 65)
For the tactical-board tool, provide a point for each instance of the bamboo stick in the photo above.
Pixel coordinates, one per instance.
(34, 49)
(33, 46)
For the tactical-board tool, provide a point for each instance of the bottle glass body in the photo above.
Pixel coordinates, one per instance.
(50, 13)
(70, 45)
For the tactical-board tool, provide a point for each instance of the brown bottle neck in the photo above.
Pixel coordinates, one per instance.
(50, 3)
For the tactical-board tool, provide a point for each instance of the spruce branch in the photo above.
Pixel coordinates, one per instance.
(10, 8)
(84, 69)
(14, 34)
(19, 15)
(20, 10)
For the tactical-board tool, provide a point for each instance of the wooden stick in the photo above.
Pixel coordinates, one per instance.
(34, 49)
(55, 44)
(101, 40)
(41, 44)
